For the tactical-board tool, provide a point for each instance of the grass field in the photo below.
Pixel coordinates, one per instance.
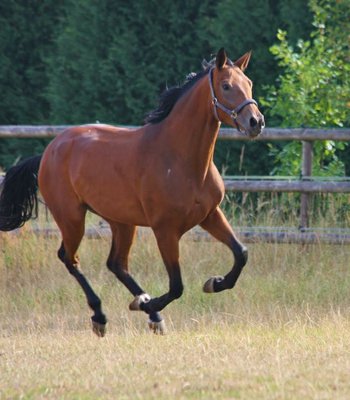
(282, 333)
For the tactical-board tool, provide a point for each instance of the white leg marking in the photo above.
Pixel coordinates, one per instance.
(138, 300)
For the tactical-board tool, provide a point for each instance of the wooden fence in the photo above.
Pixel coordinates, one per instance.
(306, 184)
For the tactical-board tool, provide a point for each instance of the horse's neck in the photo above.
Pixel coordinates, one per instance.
(192, 130)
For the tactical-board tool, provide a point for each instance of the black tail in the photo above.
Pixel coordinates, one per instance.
(18, 199)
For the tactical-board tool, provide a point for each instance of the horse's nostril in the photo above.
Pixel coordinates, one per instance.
(253, 122)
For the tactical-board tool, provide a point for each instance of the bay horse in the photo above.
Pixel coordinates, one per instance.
(161, 175)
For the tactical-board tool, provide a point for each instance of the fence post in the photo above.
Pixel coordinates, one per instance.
(306, 171)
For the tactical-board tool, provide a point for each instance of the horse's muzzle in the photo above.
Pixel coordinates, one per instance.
(256, 126)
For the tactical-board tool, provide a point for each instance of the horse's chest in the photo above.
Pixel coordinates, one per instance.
(206, 201)
(199, 204)
(181, 200)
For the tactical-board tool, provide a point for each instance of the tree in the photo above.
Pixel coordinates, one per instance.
(314, 89)
(26, 32)
(114, 58)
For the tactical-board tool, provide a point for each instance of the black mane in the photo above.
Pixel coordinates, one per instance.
(170, 96)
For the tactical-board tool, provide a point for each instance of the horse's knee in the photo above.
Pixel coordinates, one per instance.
(177, 290)
(117, 270)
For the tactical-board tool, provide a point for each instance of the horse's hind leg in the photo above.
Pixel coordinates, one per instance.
(217, 225)
(72, 228)
(122, 239)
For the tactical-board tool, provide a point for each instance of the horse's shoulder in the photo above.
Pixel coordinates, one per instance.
(214, 185)
(214, 177)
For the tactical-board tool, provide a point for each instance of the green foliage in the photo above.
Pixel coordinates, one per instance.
(113, 60)
(26, 31)
(14, 150)
(251, 25)
(26, 34)
(314, 89)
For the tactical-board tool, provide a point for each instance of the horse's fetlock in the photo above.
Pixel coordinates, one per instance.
(100, 319)
(95, 304)
(230, 285)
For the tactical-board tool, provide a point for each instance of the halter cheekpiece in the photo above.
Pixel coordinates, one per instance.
(232, 113)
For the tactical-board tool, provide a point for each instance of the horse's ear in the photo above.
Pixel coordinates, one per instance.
(221, 58)
(243, 61)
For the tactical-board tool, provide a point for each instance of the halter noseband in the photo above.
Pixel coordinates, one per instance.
(232, 113)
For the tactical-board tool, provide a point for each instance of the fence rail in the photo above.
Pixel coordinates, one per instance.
(247, 234)
(283, 134)
(300, 186)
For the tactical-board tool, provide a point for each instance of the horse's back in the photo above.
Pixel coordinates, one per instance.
(94, 140)
(91, 165)
(96, 132)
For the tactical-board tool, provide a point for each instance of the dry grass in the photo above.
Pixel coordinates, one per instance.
(282, 333)
(226, 361)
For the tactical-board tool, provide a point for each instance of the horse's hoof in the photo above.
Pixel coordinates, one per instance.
(208, 287)
(138, 300)
(98, 329)
(157, 328)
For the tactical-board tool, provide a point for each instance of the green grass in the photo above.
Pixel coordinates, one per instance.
(281, 333)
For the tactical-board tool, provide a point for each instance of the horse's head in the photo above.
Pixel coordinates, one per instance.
(231, 92)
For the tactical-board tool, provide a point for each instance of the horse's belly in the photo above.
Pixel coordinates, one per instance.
(123, 210)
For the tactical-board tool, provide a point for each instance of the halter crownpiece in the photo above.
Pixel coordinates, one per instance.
(232, 113)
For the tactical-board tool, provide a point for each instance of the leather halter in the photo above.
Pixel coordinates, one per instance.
(233, 113)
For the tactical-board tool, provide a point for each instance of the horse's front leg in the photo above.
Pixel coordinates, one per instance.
(217, 225)
(168, 244)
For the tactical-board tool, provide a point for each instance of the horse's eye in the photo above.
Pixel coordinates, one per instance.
(226, 86)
